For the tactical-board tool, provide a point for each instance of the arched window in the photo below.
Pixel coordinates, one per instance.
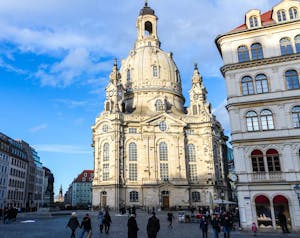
(273, 160)
(163, 151)
(155, 71)
(243, 53)
(195, 196)
(257, 159)
(132, 152)
(252, 121)
(296, 116)
(128, 75)
(293, 13)
(159, 106)
(247, 85)
(134, 196)
(106, 152)
(291, 78)
(266, 118)
(261, 83)
(281, 16)
(297, 43)
(286, 46)
(256, 51)
(191, 153)
(148, 28)
(253, 21)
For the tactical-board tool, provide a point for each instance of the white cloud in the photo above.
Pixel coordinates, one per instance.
(67, 149)
(38, 128)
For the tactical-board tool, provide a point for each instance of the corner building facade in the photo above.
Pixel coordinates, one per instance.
(149, 150)
(261, 69)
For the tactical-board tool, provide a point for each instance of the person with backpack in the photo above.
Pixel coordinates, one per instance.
(73, 223)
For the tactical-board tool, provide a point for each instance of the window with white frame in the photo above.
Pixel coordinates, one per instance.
(163, 151)
(105, 174)
(266, 117)
(281, 16)
(291, 79)
(132, 152)
(132, 171)
(297, 43)
(195, 196)
(257, 159)
(134, 196)
(247, 85)
(256, 51)
(243, 53)
(252, 121)
(128, 75)
(253, 21)
(286, 46)
(132, 130)
(261, 83)
(106, 152)
(273, 161)
(164, 171)
(293, 13)
(193, 172)
(296, 116)
(191, 153)
(159, 106)
(155, 71)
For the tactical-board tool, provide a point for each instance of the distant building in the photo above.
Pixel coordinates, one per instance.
(81, 188)
(39, 180)
(261, 68)
(4, 170)
(60, 197)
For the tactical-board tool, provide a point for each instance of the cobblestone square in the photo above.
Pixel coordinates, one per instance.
(47, 226)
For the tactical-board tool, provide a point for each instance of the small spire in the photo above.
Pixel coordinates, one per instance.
(195, 66)
(115, 62)
(146, 3)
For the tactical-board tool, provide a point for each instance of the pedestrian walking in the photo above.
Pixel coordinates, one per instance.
(227, 223)
(170, 219)
(215, 223)
(100, 221)
(204, 226)
(106, 221)
(73, 223)
(132, 226)
(86, 226)
(153, 226)
(254, 228)
(283, 222)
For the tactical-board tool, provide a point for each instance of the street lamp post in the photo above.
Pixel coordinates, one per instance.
(297, 191)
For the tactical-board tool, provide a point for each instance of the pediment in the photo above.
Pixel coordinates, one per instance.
(169, 119)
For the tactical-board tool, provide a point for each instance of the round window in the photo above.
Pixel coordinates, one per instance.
(105, 128)
(163, 126)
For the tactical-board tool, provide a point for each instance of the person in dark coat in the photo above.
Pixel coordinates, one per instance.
(132, 226)
(86, 225)
(204, 226)
(215, 223)
(283, 222)
(170, 219)
(73, 223)
(227, 223)
(106, 221)
(153, 226)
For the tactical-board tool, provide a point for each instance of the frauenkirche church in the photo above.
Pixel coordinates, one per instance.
(149, 149)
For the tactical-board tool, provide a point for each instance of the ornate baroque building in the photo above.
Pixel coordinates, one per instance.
(149, 150)
(261, 69)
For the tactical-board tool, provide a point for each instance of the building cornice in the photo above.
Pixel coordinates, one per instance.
(261, 62)
(261, 139)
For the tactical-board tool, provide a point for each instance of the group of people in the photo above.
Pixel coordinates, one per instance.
(9, 215)
(104, 221)
(219, 223)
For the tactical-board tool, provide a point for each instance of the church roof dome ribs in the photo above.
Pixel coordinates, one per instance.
(146, 10)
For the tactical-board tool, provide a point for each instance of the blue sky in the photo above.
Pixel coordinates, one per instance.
(56, 55)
